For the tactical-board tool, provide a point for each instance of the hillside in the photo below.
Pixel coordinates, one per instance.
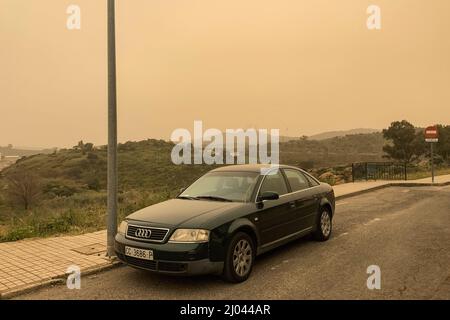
(72, 182)
(331, 152)
(142, 165)
(147, 164)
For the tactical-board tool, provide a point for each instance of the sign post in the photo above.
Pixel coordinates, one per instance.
(432, 136)
(432, 162)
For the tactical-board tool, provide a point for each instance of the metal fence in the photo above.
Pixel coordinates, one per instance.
(379, 171)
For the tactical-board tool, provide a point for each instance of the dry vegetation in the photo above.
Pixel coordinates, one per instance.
(64, 191)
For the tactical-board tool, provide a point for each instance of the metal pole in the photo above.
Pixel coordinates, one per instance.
(353, 172)
(112, 132)
(432, 162)
(406, 171)
(367, 171)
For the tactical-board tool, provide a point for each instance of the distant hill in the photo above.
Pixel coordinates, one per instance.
(341, 133)
(22, 151)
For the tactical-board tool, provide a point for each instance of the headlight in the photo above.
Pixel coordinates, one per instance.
(122, 227)
(190, 235)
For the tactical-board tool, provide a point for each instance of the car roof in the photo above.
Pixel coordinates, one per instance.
(250, 167)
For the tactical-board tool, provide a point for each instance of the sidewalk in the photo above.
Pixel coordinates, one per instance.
(30, 263)
(352, 189)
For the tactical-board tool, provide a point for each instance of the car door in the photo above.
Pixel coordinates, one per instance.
(273, 215)
(303, 199)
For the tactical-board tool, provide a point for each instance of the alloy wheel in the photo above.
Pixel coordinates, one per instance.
(325, 223)
(242, 257)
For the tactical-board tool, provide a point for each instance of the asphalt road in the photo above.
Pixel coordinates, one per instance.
(404, 231)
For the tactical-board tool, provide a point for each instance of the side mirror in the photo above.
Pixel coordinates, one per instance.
(268, 195)
(182, 190)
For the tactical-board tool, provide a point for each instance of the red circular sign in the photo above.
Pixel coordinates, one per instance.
(431, 132)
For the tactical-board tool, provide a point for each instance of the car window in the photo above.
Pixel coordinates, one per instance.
(274, 183)
(235, 186)
(312, 182)
(296, 179)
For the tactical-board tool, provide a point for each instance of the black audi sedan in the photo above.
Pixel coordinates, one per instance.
(222, 221)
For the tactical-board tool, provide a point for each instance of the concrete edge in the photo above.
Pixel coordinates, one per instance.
(359, 192)
(59, 279)
(419, 184)
(393, 184)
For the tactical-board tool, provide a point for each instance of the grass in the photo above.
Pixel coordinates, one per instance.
(77, 214)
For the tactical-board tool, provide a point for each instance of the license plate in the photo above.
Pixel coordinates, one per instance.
(139, 253)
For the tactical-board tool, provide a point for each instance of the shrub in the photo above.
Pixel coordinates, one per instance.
(93, 184)
(58, 189)
(328, 177)
(23, 188)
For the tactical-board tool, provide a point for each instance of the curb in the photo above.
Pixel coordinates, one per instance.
(57, 280)
(418, 184)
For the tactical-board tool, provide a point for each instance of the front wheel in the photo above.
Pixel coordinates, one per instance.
(324, 225)
(240, 258)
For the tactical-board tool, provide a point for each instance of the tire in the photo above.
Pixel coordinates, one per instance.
(324, 225)
(239, 259)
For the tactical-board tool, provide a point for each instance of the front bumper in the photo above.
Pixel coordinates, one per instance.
(170, 258)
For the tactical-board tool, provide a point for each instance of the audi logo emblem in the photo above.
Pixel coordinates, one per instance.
(143, 233)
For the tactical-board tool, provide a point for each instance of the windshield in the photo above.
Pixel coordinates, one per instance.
(223, 186)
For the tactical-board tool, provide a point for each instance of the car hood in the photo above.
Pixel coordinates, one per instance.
(175, 212)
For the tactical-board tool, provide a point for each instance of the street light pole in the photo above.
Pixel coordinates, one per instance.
(112, 132)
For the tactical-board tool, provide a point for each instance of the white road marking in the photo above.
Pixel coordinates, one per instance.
(340, 235)
(371, 221)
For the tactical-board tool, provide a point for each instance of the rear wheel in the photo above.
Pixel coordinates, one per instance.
(240, 258)
(324, 225)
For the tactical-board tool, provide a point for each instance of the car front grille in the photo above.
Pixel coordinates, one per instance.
(141, 263)
(142, 233)
(153, 265)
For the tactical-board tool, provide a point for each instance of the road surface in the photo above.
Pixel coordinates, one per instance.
(404, 231)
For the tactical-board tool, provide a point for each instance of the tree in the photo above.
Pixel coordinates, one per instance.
(23, 188)
(88, 147)
(84, 147)
(443, 146)
(405, 142)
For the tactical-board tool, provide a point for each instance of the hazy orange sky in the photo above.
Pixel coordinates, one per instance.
(303, 66)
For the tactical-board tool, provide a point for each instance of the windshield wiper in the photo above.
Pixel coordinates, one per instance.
(214, 198)
(187, 197)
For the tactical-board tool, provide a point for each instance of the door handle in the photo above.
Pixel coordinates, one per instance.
(292, 204)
